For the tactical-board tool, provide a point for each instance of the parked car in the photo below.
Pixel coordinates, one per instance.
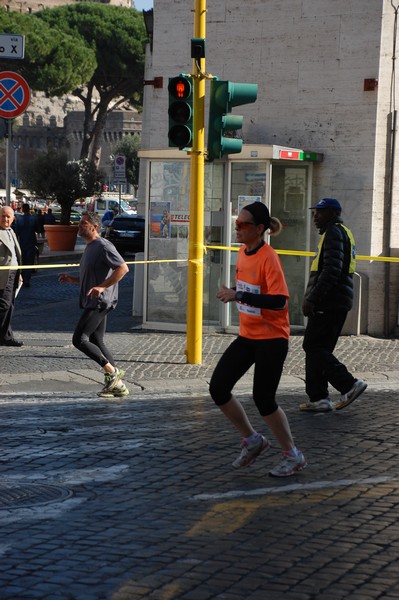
(75, 217)
(127, 233)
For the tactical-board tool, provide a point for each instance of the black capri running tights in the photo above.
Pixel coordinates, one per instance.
(268, 357)
(89, 334)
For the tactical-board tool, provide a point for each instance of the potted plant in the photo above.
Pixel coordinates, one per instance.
(51, 175)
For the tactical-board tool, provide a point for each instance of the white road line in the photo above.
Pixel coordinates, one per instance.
(295, 487)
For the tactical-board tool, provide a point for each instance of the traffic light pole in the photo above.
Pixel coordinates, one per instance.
(197, 165)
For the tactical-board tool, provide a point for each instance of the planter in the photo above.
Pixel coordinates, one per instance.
(61, 237)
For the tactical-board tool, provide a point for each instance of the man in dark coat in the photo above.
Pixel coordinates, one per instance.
(328, 298)
(26, 227)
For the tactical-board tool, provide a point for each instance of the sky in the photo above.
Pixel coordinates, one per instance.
(143, 4)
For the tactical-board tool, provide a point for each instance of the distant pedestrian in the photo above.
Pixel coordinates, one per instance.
(49, 218)
(109, 217)
(262, 300)
(10, 256)
(40, 222)
(26, 227)
(328, 298)
(101, 268)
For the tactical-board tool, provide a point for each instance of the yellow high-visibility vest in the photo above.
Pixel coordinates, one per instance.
(352, 264)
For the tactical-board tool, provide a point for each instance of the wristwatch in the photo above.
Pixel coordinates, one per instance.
(239, 296)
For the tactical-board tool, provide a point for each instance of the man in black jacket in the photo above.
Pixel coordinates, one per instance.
(328, 298)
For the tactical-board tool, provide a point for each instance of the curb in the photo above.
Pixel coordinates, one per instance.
(88, 380)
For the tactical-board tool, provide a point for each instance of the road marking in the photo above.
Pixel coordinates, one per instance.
(230, 511)
(294, 487)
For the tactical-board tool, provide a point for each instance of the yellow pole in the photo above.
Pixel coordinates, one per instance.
(197, 164)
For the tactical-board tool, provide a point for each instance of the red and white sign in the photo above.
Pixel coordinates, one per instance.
(290, 154)
(180, 218)
(14, 95)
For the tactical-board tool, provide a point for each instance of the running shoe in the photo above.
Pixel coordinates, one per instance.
(350, 396)
(250, 454)
(119, 392)
(111, 379)
(289, 465)
(324, 405)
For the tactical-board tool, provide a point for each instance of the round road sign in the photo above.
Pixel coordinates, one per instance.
(14, 94)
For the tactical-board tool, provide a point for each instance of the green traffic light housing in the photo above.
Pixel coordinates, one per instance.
(180, 112)
(224, 95)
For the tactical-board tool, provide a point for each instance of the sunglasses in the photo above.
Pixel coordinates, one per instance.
(243, 224)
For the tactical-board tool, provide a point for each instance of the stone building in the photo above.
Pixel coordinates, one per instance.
(28, 6)
(58, 123)
(326, 76)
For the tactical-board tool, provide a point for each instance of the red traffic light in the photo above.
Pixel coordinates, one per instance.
(180, 88)
(180, 112)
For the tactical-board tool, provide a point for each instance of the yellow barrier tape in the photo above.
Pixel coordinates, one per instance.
(392, 259)
(70, 265)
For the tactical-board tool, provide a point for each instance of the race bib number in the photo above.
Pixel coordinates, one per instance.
(242, 286)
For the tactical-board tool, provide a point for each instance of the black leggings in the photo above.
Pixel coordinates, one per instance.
(88, 336)
(268, 357)
(321, 366)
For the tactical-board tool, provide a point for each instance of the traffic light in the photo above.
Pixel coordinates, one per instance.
(225, 95)
(180, 112)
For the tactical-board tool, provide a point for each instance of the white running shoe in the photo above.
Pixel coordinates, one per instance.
(111, 379)
(350, 396)
(250, 454)
(289, 465)
(119, 392)
(324, 405)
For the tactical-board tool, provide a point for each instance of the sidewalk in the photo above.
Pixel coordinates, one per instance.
(153, 361)
(156, 362)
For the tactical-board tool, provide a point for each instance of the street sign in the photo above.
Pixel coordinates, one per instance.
(120, 169)
(12, 46)
(14, 95)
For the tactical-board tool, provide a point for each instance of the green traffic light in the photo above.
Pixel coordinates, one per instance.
(224, 95)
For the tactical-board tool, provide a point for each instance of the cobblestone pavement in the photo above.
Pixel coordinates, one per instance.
(136, 498)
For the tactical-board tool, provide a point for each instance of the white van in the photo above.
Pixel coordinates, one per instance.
(102, 205)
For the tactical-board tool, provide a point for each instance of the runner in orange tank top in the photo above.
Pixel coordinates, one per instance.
(261, 295)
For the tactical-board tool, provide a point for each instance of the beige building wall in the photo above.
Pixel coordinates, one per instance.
(310, 59)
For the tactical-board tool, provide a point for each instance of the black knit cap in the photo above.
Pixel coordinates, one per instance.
(260, 213)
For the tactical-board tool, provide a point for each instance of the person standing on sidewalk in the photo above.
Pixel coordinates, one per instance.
(328, 298)
(26, 227)
(10, 256)
(101, 268)
(262, 300)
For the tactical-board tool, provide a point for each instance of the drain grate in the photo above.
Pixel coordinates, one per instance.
(24, 495)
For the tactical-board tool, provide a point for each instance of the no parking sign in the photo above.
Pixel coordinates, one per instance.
(14, 95)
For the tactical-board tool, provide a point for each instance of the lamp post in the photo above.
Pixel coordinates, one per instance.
(16, 148)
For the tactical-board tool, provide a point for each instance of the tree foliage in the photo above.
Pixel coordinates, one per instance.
(55, 62)
(52, 176)
(117, 36)
(94, 51)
